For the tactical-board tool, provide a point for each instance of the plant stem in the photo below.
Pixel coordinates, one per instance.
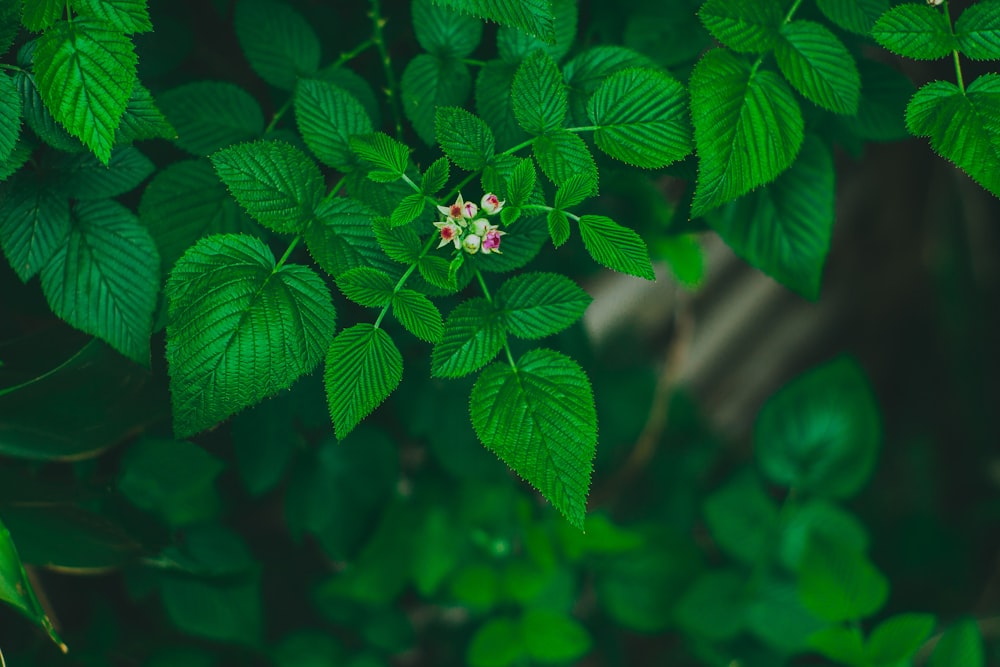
(288, 253)
(278, 114)
(402, 279)
(954, 52)
(489, 298)
(28, 383)
(391, 91)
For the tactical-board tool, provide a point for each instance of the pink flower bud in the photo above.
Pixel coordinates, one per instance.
(469, 210)
(491, 204)
(492, 241)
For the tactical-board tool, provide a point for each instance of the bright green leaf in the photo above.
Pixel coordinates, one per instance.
(276, 183)
(840, 643)
(587, 71)
(430, 82)
(821, 432)
(128, 16)
(964, 128)
(366, 286)
(209, 115)
(105, 277)
(538, 95)
(418, 315)
(822, 519)
(912, 30)
(85, 72)
(748, 128)
(785, 229)
(279, 43)
(536, 305)
(340, 237)
(464, 138)
(978, 31)
(743, 25)
(363, 367)
(896, 639)
(539, 418)
(563, 155)
(521, 184)
(401, 244)
(574, 190)
(435, 177)
(838, 584)
(819, 66)
(383, 152)
(410, 207)
(641, 118)
(962, 644)
(473, 334)
(40, 14)
(558, 225)
(17, 591)
(327, 118)
(857, 16)
(143, 119)
(532, 16)
(240, 330)
(514, 45)
(614, 246)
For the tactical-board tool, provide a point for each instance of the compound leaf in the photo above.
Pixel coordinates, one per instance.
(473, 334)
(539, 418)
(240, 329)
(614, 246)
(563, 155)
(641, 118)
(747, 128)
(536, 305)
(104, 278)
(85, 72)
(279, 43)
(978, 31)
(366, 286)
(363, 367)
(418, 315)
(277, 184)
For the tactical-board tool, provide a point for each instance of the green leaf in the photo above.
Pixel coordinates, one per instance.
(276, 183)
(17, 159)
(536, 305)
(822, 519)
(464, 138)
(10, 23)
(430, 82)
(742, 518)
(81, 176)
(209, 115)
(882, 110)
(641, 118)
(820, 433)
(40, 14)
(40, 119)
(228, 610)
(748, 128)
(240, 329)
(34, 222)
(363, 367)
(445, 32)
(574, 190)
(418, 315)
(538, 95)
(521, 184)
(552, 636)
(435, 177)
(962, 644)
(366, 286)
(558, 225)
(128, 16)
(409, 209)
(857, 16)
(563, 155)
(515, 45)
(340, 237)
(743, 25)
(779, 619)
(473, 334)
(494, 104)
(896, 640)
(498, 643)
(383, 152)
(963, 128)
(588, 70)
(10, 116)
(400, 243)
(819, 66)
(840, 643)
(279, 43)
(616, 247)
(16, 589)
(85, 72)
(104, 279)
(978, 31)
(174, 480)
(539, 418)
(438, 271)
(143, 119)
(185, 202)
(327, 117)
(839, 584)
(913, 30)
(785, 229)
(532, 16)
(714, 606)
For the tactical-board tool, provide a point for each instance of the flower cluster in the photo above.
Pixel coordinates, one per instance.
(462, 228)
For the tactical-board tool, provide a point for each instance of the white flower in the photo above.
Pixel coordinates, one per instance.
(455, 211)
(471, 243)
(491, 204)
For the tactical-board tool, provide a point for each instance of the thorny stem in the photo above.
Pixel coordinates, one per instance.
(954, 52)
(486, 293)
(391, 91)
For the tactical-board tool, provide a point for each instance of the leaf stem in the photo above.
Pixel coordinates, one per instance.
(288, 253)
(353, 53)
(489, 298)
(39, 378)
(465, 181)
(474, 63)
(954, 52)
(543, 207)
(278, 114)
(391, 91)
(403, 278)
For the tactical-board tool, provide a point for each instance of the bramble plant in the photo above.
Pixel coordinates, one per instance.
(236, 237)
